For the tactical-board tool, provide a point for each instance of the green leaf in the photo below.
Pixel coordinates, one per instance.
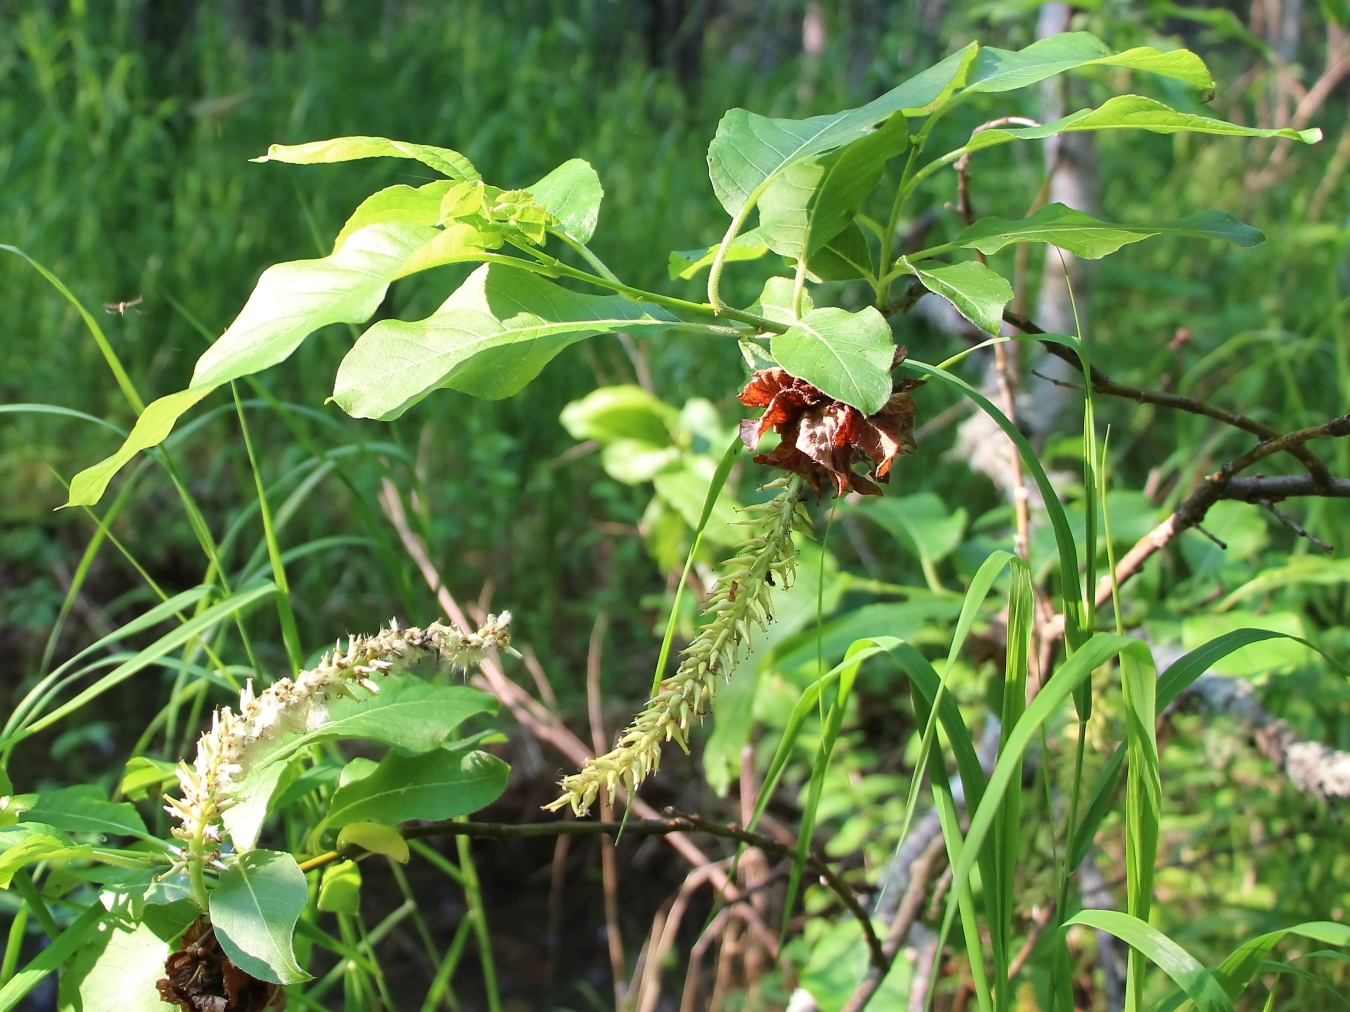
(1001, 70)
(689, 263)
(489, 339)
(619, 412)
(572, 194)
(290, 301)
(1133, 112)
(776, 299)
(51, 958)
(143, 777)
(340, 889)
(253, 796)
(846, 257)
(978, 292)
(1085, 236)
(436, 785)
(846, 355)
(419, 205)
(750, 151)
(29, 842)
(345, 149)
(84, 808)
(120, 973)
(376, 838)
(1199, 985)
(813, 201)
(254, 909)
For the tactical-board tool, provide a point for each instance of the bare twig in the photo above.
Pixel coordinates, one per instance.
(609, 872)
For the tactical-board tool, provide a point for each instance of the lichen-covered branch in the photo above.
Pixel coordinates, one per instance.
(740, 602)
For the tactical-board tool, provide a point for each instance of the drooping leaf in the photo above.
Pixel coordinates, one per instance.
(1002, 70)
(489, 339)
(290, 301)
(376, 838)
(572, 194)
(435, 785)
(1086, 236)
(978, 292)
(84, 808)
(811, 202)
(846, 355)
(345, 149)
(340, 889)
(750, 150)
(254, 909)
(419, 205)
(1134, 112)
(33, 841)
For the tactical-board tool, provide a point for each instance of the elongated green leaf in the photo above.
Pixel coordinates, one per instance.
(346, 149)
(846, 355)
(572, 194)
(436, 785)
(419, 205)
(290, 302)
(1134, 112)
(1246, 961)
(977, 291)
(1199, 985)
(254, 909)
(51, 958)
(1143, 799)
(751, 150)
(28, 842)
(1001, 70)
(84, 808)
(811, 202)
(1085, 236)
(489, 339)
(689, 263)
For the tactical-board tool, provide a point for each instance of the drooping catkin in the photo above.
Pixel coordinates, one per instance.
(237, 739)
(740, 601)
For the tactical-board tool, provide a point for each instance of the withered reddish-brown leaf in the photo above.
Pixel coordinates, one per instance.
(823, 438)
(201, 977)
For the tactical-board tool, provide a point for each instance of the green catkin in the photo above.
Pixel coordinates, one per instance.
(739, 603)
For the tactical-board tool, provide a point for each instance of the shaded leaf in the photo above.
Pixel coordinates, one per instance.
(845, 355)
(1085, 236)
(489, 339)
(846, 257)
(978, 292)
(340, 888)
(84, 808)
(345, 149)
(120, 972)
(254, 909)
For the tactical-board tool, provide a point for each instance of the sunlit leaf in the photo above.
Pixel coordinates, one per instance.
(978, 292)
(1085, 236)
(345, 149)
(845, 355)
(1002, 70)
(489, 339)
(254, 908)
(572, 194)
(340, 888)
(419, 205)
(435, 785)
(84, 808)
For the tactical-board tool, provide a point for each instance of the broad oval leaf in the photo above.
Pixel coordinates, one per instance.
(254, 909)
(376, 838)
(1134, 112)
(1085, 236)
(846, 355)
(489, 339)
(750, 150)
(978, 292)
(572, 194)
(1001, 70)
(121, 976)
(346, 149)
(435, 785)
